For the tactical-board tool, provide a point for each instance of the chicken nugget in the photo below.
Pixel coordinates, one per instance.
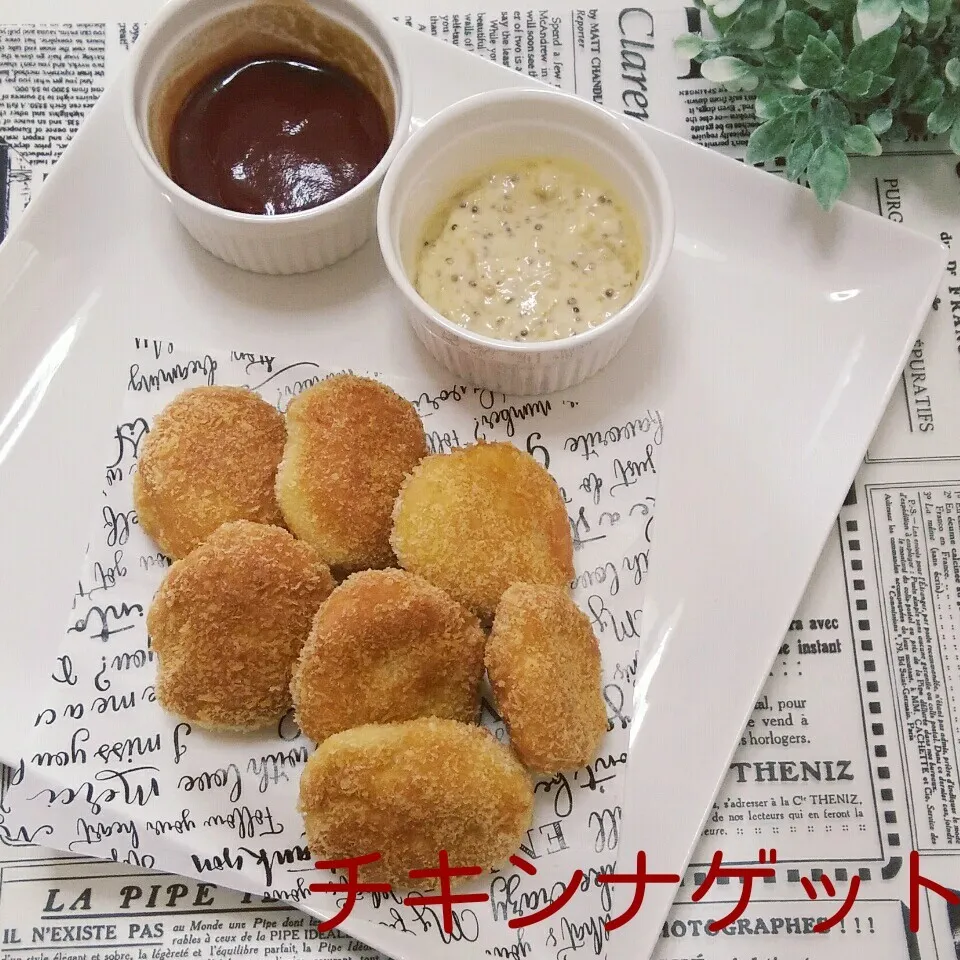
(543, 662)
(409, 790)
(400, 646)
(228, 622)
(211, 456)
(350, 443)
(480, 518)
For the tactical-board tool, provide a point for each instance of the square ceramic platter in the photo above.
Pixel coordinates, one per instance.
(771, 350)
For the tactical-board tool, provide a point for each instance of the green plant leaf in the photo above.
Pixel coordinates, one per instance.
(874, 16)
(833, 42)
(746, 20)
(833, 118)
(855, 32)
(875, 54)
(856, 85)
(879, 84)
(689, 45)
(724, 69)
(726, 8)
(793, 102)
(952, 72)
(955, 137)
(860, 139)
(880, 120)
(825, 5)
(944, 116)
(908, 67)
(781, 59)
(768, 104)
(771, 139)
(800, 152)
(918, 10)
(760, 40)
(828, 173)
(818, 65)
(928, 96)
(797, 27)
(774, 12)
(760, 15)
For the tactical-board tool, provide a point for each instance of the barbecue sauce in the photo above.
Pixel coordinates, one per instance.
(274, 135)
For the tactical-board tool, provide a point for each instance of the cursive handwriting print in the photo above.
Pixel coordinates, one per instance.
(111, 775)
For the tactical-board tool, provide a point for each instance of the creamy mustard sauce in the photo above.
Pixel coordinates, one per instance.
(532, 250)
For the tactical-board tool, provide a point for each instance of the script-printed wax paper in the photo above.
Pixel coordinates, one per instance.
(111, 775)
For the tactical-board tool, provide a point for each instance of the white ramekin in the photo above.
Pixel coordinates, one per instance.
(286, 243)
(476, 133)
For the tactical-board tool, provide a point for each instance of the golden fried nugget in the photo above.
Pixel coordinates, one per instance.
(228, 623)
(350, 443)
(389, 646)
(211, 456)
(478, 519)
(409, 790)
(543, 661)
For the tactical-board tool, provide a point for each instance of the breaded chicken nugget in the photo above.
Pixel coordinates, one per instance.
(478, 519)
(543, 661)
(211, 456)
(228, 623)
(400, 646)
(408, 791)
(350, 443)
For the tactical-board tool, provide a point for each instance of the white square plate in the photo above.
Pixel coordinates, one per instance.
(774, 344)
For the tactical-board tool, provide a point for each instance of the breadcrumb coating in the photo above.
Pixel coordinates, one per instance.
(478, 519)
(350, 443)
(386, 646)
(407, 791)
(228, 623)
(543, 662)
(211, 456)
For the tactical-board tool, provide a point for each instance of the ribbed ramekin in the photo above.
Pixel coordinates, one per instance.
(281, 244)
(475, 134)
